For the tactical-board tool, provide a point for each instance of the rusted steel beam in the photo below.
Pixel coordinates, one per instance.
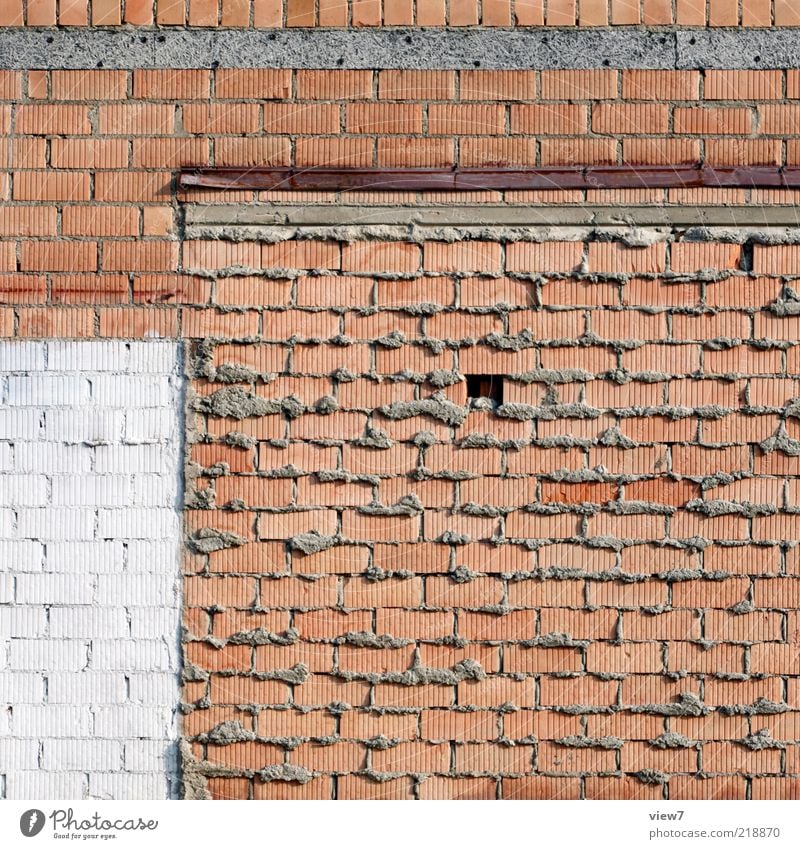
(475, 179)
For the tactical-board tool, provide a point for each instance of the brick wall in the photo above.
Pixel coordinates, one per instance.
(89, 542)
(602, 570)
(423, 13)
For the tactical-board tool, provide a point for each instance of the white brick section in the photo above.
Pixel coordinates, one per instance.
(90, 437)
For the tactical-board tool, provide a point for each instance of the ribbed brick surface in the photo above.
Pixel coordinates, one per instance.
(375, 13)
(89, 602)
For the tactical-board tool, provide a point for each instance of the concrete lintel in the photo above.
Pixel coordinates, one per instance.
(623, 47)
(479, 215)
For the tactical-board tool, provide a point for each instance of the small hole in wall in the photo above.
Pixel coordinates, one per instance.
(485, 386)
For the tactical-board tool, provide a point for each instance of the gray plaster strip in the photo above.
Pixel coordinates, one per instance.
(618, 47)
(248, 214)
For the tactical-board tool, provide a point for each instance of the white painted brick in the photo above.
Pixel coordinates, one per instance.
(101, 622)
(146, 621)
(153, 491)
(54, 588)
(137, 523)
(127, 785)
(62, 524)
(150, 756)
(152, 357)
(21, 422)
(97, 556)
(86, 356)
(52, 458)
(81, 754)
(155, 425)
(133, 655)
(18, 754)
(96, 688)
(126, 391)
(151, 555)
(153, 688)
(91, 490)
(23, 490)
(6, 522)
(21, 687)
(6, 457)
(46, 785)
(90, 425)
(31, 390)
(128, 459)
(87, 560)
(38, 655)
(23, 621)
(21, 555)
(22, 356)
(156, 591)
(153, 723)
(52, 721)
(6, 588)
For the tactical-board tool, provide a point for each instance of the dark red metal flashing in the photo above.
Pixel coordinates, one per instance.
(476, 179)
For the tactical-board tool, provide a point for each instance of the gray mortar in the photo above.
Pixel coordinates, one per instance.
(236, 439)
(226, 733)
(194, 786)
(781, 441)
(297, 674)
(263, 637)
(437, 407)
(420, 675)
(760, 740)
(673, 740)
(721, 507)
(374, 437)
(453, 538)
(235, 403)
(577, 742)
(686, 704)
(651, 776)
(207, 540)
(366, 639)
(408, 505)
(761, 706)
(287, 773)
(287, 471)
(312, 542)
(553, 376)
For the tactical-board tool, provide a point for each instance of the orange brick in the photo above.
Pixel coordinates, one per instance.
(136, 119)
(383, 118)
(88, 85)
(629, 119)
(413, 85)
(334, 85)
(171, 84)
(713, 121)
(473, 120)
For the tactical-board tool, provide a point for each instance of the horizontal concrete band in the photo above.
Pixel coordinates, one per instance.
(481, 215)
(623, 47)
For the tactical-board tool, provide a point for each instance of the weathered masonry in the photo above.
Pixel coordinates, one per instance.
(462, 494)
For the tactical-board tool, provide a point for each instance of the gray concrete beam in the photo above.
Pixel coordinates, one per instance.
(481, 215)
(619, 47)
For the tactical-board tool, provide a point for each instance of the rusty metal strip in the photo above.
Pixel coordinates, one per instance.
(475, 179)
